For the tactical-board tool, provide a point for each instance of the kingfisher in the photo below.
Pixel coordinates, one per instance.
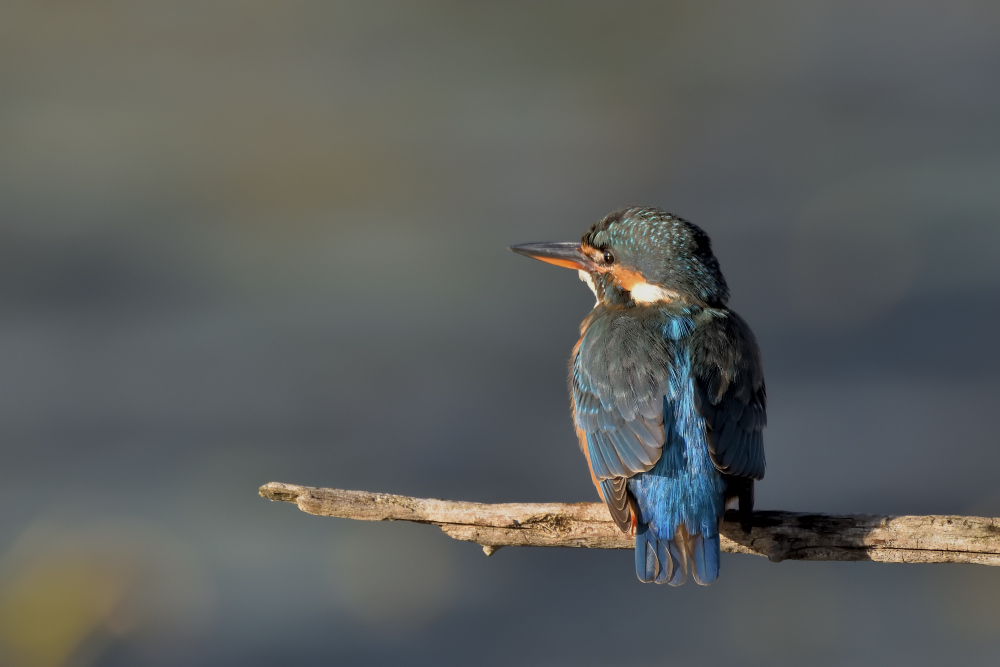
(667, 389)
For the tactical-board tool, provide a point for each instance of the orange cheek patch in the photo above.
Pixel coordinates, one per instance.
(627, 278)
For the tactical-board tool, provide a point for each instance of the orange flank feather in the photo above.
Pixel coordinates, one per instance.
(580, 435)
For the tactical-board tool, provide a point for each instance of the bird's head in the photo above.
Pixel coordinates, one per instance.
(641, 256)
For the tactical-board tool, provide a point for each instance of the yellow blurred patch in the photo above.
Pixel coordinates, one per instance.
(70, 591)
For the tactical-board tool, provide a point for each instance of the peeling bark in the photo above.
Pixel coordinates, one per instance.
(776, 535)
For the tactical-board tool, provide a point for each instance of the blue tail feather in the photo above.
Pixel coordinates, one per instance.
(667, 565)
(669, 561)
(680, 561)
(645, 558)
(681, 499)
(705, 558)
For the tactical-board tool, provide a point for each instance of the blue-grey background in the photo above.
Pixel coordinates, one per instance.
(246, 241)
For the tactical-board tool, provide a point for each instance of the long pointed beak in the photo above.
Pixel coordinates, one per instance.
(568, 254)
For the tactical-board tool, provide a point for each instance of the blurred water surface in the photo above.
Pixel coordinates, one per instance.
(254, 241)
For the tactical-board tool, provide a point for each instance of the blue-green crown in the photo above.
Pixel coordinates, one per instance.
(669, 251)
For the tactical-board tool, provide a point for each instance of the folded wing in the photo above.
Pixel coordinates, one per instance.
(730, 395)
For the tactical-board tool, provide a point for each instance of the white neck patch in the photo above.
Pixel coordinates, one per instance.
(644, 293)
(585, 277)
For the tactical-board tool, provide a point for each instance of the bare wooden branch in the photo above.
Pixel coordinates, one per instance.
(776, 535)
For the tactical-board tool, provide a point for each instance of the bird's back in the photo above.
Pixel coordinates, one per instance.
(636, 399)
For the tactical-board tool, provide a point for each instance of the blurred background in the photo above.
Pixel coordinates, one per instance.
(244, 242)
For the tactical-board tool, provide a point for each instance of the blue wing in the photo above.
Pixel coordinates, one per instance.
(730, 394)
(616, 448)
(620, 376)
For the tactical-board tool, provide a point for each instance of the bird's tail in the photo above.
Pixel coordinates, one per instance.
(667, 561)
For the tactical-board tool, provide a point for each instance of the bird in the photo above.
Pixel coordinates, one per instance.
(666, 387)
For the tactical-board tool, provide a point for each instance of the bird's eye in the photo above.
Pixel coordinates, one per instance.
(609, 257)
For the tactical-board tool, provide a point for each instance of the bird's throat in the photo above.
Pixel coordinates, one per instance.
(587, 278)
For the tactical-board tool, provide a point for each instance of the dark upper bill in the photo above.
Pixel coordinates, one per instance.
(566, 254)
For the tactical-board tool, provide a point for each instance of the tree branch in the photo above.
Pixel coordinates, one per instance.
(776, 535)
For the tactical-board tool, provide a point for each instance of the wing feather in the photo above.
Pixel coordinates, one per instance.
(628, 447)
(730, 394)
(615, 493)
